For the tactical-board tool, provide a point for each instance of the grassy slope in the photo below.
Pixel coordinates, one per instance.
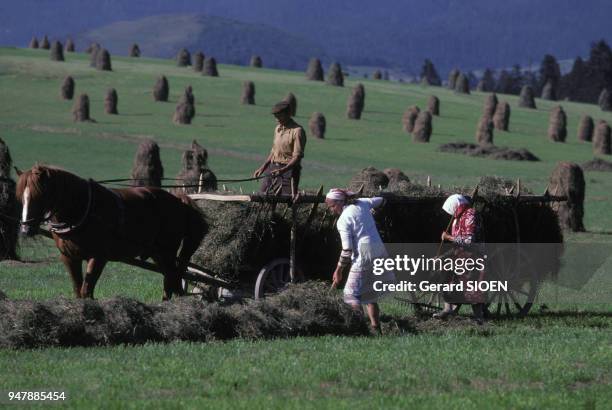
(545, 361)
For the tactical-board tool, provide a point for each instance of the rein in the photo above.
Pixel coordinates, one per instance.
(63, 228)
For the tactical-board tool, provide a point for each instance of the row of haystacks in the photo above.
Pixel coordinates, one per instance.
(306, 309)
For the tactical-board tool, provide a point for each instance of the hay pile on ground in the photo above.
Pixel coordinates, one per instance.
(409, 118)
(317, 125)
(248, 93)
(488, 151)
(134, 50)
(33, 43)
(371, 179)
(93, 50)
(210, 67)
(69, 47)
(195, 175)
(103, 60)
(501, 118)
(356, 102)
(585, 128)
(314, 72)
(198, 62)
(597, 164)
(290, 98)
(183, 58)
(9, 206)
(548, 92)
(44, 44)
(256, 62)
(422, 127)
(452, 78)
(568, 179)
(557, 125)
(67, 89)
(433, 105)
(110, 101)
(147, 169)
(527, 99)
(462, 86)
(490, 105)
(335, 75)
(605, 100)
(57, 51)
(602, 139)
(161, 89)
(80, 110)
(484, 131)
(306, 309)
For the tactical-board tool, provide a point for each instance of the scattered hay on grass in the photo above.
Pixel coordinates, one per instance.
(597, 164)
(488, 151)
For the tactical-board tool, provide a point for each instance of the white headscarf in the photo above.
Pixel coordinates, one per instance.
(453, 202)
(337, 194)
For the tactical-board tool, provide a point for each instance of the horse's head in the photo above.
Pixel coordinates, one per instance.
(35, 191)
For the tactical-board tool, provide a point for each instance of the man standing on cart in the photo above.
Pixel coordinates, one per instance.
(283, 165)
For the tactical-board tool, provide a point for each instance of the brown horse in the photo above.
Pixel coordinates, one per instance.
(95, 224)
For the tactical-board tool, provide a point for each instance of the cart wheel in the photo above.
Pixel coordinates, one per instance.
(272, 278)
(517, 268)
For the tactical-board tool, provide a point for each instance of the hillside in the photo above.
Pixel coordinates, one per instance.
(391, 33)
(229, 41)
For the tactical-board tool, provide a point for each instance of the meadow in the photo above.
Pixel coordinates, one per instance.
(556, 358)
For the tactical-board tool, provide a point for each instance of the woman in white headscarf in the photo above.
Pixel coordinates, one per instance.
(466, 234)
(361, 244)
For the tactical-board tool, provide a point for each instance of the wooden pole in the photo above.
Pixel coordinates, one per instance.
(200, 183)
(292, 267)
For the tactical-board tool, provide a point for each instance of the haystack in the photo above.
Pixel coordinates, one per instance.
(355, 103)
(69, 47)
(110, 101)
(134, 50)
(94, 50)
(409, 118)
(462, 85)
(80, 110)
(433, 105)
(45, 43)
(189, 100)
(557, 125)
(527, 99)
(183, 58)
(182, 114)
(484, 131)
(377, 75)
(605, 100)
(548, 92)
(195, 174)
(480, 87)
(490, 105)
(290, 98)
(335, 75)
(315, 70)
(256, 62)
(147, 169)
(67, 89)
(198, 62)
(9, 207)
(422, 127)
(90, 48)
(248, 93)
(602, 143)
(57, 51)
(567, 179)
(161, 89)
(372, 180)
(103, 60)
(452, 78)
(210, 67)
(585, 128)
(501, 118)
(33, 43)
(317, 125)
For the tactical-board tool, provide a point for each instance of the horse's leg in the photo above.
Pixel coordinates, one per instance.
(75, 269)
(94, 270)
(172, 280)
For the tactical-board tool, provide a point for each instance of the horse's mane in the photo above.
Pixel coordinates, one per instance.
(32, 179)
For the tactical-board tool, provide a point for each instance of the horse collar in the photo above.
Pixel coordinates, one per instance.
(64, 228)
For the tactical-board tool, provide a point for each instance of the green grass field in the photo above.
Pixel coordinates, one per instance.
(558, 359)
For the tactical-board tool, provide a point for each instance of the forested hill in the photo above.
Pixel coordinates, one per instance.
(401, 33)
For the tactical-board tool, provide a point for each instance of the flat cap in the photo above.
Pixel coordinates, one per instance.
(280, 107)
